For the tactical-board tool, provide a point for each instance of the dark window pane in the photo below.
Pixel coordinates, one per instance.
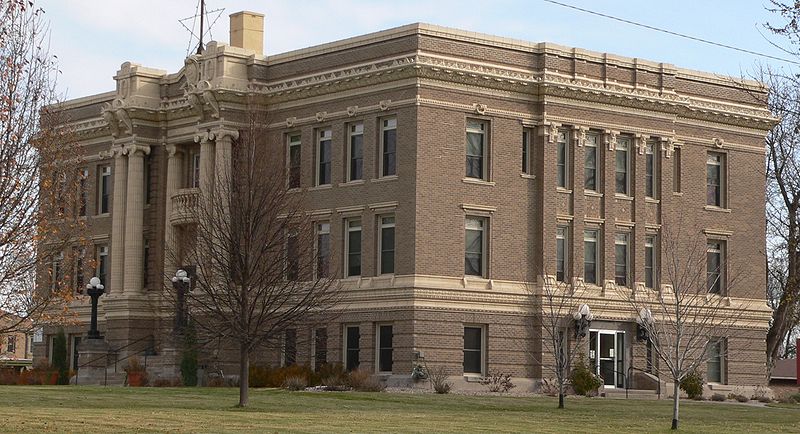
(353, 337)
(356, 157)
(320, 348)
(387, 250)
(354, 253)
(323, 254)
(290, 347)
(385, 348)
(389, 150)
(472, 338)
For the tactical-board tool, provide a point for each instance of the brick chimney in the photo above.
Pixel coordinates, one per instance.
(247, 31)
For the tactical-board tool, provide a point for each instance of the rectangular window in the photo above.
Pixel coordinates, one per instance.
(676, 170)
(290, 347)
(385, 337)
(649, 366)
(622, 166)
(386, 247)
(104, 192)
(324, 138)
(12, 344)
(323, 249)
(355, 169)
(715, 266)
(590, 162)
(78, 255)
(195, 173)
(320, 348)
(715, 176)
(476, 150)
(352, 347)
(57, 271)
(389, 147)
(353, 248)
(102, 264)
(650, 261)
(590, 255)
(621, 260)
(473, 350)
(525, 150)
(294, 162)
(292, 255)
(475, 246)
(561, 253)
(715, 370)
(562, 159)
(83, 192)
(650, 170)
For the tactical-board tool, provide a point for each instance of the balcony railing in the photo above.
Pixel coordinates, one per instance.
(184, 206)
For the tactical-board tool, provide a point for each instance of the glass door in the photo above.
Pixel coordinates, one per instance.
(606, 355)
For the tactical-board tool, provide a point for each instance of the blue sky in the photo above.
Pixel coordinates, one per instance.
(93, 37)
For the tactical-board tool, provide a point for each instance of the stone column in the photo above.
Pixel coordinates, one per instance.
(118, 222)
(223, 164)
(174, 177)
(206, 160)
(134, 220)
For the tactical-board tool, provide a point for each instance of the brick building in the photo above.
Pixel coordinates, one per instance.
(567, 152)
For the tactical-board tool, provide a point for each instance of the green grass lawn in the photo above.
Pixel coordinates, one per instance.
(98, 410)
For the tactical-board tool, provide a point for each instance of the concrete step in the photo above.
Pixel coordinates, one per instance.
(632, 394)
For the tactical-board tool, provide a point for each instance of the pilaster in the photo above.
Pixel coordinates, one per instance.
(134, 220)
(174, 177)
(118, 222)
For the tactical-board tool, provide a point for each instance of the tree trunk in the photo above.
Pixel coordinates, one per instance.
(244, 376)
(560, 399)
(676, 395)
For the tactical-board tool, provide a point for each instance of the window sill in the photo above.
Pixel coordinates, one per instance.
(563, 190)
(384, 178)
(473, 378)
(527, 176)
(592, 193)
(651, 200)
(478, 181)
(352, 183)
(677, 193)
(716, 209)
(625, 197)
(294, 190)
(321, 187)
(105, 214)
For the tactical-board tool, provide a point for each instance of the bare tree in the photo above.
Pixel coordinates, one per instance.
(39, 181)
(691, 315)
(258, 272)
(554, 304)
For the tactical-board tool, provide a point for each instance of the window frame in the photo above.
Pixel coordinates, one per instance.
(285, 348)
(721, 163)
(591, 145)
(384, 225)
(596, 258)
(101, 269)
(83, 192)
(721, 272)
(194, 173)
(562, 151)
(346, 350)
(627, 260)
(323, 135)
(484, 225)
(322, 228)
(294, 140)
(526, 151)
(651, 271)
(721, 344)
(320, 348)
(651, 170)
(379, 347)
(354, 131)
(623, 147)
(104, 190)
(387, 124)
(349, 227)
(483, 345)
(483, 131)
(562, 253)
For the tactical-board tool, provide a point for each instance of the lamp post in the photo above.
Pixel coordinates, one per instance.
(95, 289)
(643, 323)
(583, 319)
(181, 282)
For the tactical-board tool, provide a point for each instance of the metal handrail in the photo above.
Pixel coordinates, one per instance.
(633, 368)
(116, 361)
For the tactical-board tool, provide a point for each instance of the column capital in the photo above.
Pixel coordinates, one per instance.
(172, 150)
(132, 149)
(611, 139)
(579, 133)
(204, 137)
(222, 133)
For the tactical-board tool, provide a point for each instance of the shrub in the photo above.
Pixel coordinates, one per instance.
(333, 377)
(692, 384)
(60, 363)
(764, 399)
(137, 374)
(742, 398)
(295, 383)
(363, 381)
(795, 397)
(584, 381)
(259, 375)
(189, 358)
(498, 382)
(438, 377)
(718, 397)
(266, 376)
(167, 382)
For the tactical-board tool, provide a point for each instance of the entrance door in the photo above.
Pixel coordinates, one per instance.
(607, 356)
